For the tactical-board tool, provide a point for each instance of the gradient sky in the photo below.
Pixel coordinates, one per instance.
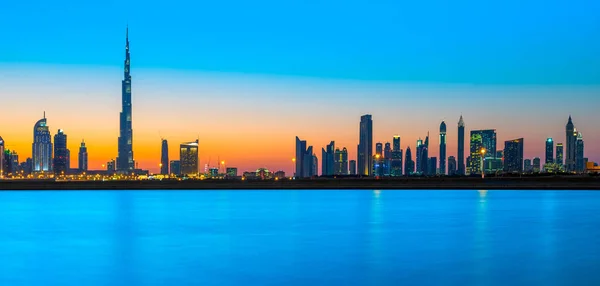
(248, 76)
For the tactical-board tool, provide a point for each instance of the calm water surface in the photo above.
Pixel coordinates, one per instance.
(300, 238)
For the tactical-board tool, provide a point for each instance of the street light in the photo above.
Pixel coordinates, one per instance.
(482, 167)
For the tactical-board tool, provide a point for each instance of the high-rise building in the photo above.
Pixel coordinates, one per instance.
(164, 158)
(423, 157)
(396, 160)
(549, 151)
(231, 172)
(125, 161)
(418, 156)
(452, 166)
(482, 143)
(327, 159)
(315, 165)
(304, 159)
(1, 157)
(579, 156)
(110, 166)
(83, 157)
(536, 165)
(175, 167)
(379, 149)
(527, 167)
(571, 139)
(11, 163)
(432, 166)
(60, 153)
(409, 165)
(365, 146)
(513, 156)
(341, 161)
(559, 153)
(352, 167)
(387, 159)
(188, 158)
(461, 146)
(443, 148)
(42, 146)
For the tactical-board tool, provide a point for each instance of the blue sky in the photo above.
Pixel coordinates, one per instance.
(476, 42)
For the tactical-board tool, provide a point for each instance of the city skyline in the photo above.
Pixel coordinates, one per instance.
(81, 91)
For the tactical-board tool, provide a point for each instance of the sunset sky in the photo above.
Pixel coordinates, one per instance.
(246, 77)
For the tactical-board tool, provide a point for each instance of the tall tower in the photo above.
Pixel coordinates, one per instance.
(125, 161)
(41, 147)
(164, 158)
(61, 154)
(443, 148)
(571, 148)
(365, 146)
(461, 146)
(83, 157)
(549, 151)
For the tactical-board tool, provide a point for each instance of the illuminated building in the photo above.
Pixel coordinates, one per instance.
(83, 158)
(164, 157)
(418, 155)
(327, 157)
(341, 161)
(279, 175)
(409, 165)
(60, 153)
(263, 174)
(536, 165)
(571, 139)
(481, 140)
(213, 172)
(443, 148)
(231, 172)
(110, 166)
(175, 167)
(42, 147)
(432, 166)
(125, 161)
(452, 166)
(1, 157)
(352, 167)
(378, 160)
(549, 151)
(559, 153)
(422, 157)
(527, 167)
(461, 146)
(387, 159)
(513, 156)
(579, 158)
(396, 160)
(365, 146)
(188, 158)
(493, 165)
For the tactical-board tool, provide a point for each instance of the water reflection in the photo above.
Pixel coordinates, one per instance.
(481, 246)
(375, 238)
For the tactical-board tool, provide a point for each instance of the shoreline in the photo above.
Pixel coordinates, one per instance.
(438, 183)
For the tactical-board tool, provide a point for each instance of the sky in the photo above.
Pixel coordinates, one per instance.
(246, 77)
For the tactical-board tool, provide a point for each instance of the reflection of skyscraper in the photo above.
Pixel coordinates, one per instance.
(164, 158)
(461, 146)
(60, 153)
(365, 146)
(352, 167)
(579, 158)
(559, 153)
(409, 165)
(513, 156)
(341, 161)
(443, 148)
(125, 161)
(188, 158)
(42, 147)
(327, 159)
(83, 158)
(571, 139)
(451, 166)
(481, 140)
(549, 151)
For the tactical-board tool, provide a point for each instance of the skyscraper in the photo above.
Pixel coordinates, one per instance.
(513, 156)
(188, 158)
(365, 146)
(1, 157)
(352, 167)
(164, 158)
(549, 151)
(559, 153)
(536, 165)
(527, 167)
(379, 149)
(481, 140)
(418, 156)
(461, 146)
(387, 159)
(341, 161)
(396, 160)
(83, 157)
(452, 166)
(42, 146)
(579, 156)
(304, 159)
(125, 161)
(409, 165)
(327, 159)
(443, 148)
(60, 153)
(571, 139)
(175, 167)
(432, 166)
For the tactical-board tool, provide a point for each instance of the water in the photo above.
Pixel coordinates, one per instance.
(300, 238)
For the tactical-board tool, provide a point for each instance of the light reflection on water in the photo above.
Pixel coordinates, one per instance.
(300, 238)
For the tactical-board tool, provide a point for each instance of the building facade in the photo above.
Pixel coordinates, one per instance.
(482, 145)
(571, 141)
(537, 165)
(42, 147)
(188, 158)
(513, 155)
(327, 159)
(341, 161)
(82, 158)
(125, 162)
(461, 147)
(579, 155)
(365, 146)
(559, 154)
(175, 167)
(452, 171)
(396, 160)
(549, 151)
(409, 165)
(60, 153)
(442, 148)
(352, 167)
(164, 157)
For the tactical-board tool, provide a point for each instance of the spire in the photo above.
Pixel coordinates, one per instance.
(461, 122)
(44, 114)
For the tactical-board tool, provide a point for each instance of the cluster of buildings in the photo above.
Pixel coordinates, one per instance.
(483, 156)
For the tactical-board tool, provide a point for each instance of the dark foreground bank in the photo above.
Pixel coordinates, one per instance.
(535, 183)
